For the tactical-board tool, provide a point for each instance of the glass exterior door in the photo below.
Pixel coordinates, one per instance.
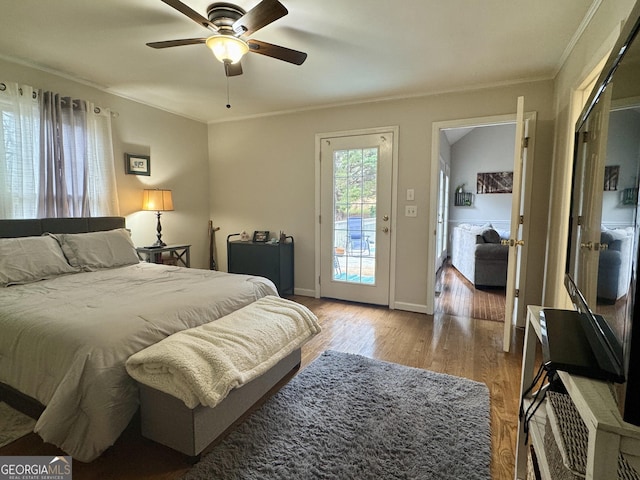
(356, 173)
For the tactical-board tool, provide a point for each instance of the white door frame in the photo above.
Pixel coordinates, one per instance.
(433, 186)
(443, 204)
(394, 203)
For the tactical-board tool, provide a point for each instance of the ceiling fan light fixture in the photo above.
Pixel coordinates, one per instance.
(227, 49)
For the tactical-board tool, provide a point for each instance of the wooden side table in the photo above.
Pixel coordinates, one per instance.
(608, 433)
(179, 255)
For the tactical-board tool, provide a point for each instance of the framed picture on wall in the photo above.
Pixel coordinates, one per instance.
(261, 236)
(611, 175)
(137, 164)
(495, 182)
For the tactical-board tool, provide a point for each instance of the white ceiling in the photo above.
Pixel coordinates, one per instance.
(359, 50)
(455, 134)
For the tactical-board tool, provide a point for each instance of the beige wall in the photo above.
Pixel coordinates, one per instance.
(259, 173)
(178, 150)
(262, 174)
(593, 46)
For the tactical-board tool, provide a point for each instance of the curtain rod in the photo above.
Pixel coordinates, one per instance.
(96, 110)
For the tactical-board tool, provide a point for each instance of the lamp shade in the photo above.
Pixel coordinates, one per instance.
(226, 48)
(157, 200)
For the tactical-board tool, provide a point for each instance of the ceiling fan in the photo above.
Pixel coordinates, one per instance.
(230, 24)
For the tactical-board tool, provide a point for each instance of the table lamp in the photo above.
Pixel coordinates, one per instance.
(159, 201)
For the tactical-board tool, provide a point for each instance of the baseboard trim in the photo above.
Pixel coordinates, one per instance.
(410, 307)
(407, 307)
(305, 292)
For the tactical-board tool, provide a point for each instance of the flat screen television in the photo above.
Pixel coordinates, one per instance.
(602, 259)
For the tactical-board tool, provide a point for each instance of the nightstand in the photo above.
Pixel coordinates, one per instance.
(169, 255)
(273, 261)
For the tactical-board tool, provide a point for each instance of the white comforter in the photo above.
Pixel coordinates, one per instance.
(203, 364)
(65, 341)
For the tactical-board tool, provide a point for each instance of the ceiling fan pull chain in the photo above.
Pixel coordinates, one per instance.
(226, 67)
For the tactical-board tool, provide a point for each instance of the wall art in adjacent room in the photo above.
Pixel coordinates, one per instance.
(495, 182)
(611, 175)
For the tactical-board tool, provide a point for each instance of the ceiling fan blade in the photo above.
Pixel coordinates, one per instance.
(176, 43)
(192, 14)
(259, 16)
(276, 51)
(232, 69)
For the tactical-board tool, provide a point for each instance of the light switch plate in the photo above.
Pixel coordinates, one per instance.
(411, 194)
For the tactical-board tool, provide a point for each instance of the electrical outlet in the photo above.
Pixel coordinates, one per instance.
(410, 211)
(411, 194)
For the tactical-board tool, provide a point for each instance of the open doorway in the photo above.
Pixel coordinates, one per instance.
(471, 277)
(518, 182)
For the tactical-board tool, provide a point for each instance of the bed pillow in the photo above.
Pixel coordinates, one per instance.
(96, 250)
(30, 259)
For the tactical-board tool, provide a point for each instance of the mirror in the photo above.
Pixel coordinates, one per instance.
(607, 169)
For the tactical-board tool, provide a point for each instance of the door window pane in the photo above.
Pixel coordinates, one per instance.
(354, 223)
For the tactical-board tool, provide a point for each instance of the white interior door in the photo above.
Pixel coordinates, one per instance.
(592, 156)
(355, 217)
(515, 237)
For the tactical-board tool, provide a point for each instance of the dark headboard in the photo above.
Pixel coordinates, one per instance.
(38, 226)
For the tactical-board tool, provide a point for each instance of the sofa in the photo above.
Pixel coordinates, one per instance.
(615, 263)
(476, 252)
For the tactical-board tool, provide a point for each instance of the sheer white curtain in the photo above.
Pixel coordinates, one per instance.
(101, 176)
(77, 173)
(19, 147)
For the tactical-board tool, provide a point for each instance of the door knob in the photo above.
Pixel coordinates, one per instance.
(594, 246)
(385, 218)
(385, 229)
(588, 245)
(512, 243)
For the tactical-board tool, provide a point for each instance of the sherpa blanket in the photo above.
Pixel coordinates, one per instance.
(202, 365)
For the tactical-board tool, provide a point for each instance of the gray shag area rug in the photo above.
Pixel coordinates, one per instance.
(350, 417)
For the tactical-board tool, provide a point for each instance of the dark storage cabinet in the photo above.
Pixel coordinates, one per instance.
(273, 261)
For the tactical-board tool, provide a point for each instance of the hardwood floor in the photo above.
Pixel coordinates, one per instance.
(456, 345)
(458, 297)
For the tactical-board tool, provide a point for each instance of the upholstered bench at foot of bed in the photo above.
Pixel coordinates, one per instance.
(167, 420)
(196, 383)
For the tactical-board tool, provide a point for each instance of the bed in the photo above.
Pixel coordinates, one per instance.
(67, 332)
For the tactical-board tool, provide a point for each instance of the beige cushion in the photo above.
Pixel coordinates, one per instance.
(29, 259)
(97, 250)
